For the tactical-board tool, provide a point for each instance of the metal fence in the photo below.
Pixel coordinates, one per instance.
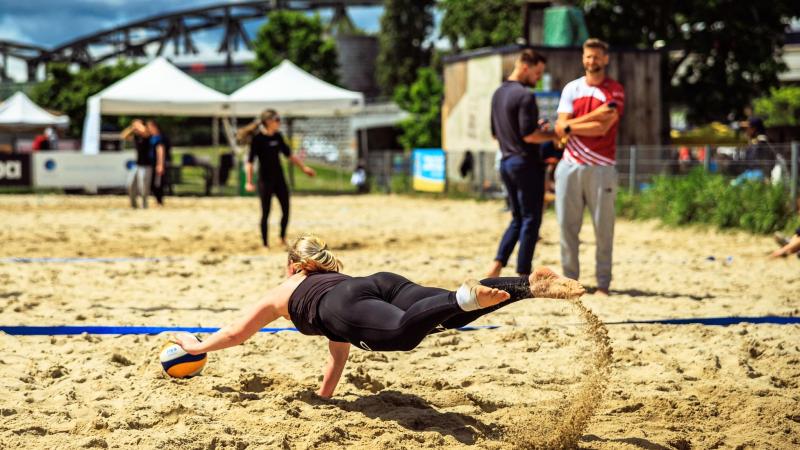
(775, 163)
(390, 171)
(639, 165)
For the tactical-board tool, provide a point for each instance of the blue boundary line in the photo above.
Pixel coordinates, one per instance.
(75, 260)
(83, 260)
(715, 321)
(127, 330)
(123, 330)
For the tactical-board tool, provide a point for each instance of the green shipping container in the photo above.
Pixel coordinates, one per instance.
(564, 26)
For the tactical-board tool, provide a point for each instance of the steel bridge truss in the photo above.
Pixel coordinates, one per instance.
(177, 28)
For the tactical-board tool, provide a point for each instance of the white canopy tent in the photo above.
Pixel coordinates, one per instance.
(19, 112)
(159, 88)
(293, 92)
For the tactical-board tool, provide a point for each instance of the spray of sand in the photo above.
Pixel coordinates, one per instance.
(575, 414)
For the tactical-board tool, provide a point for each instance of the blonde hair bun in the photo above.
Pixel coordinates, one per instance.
(309, 253)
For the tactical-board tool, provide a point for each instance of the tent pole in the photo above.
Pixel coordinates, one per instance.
(215, 131)
(365, 151)
(365, 145)
(290, 134)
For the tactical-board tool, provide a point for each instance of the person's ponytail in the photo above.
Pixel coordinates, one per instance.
(245, 134)
(309, 253)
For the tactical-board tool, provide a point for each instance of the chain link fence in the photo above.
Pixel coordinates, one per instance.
(774, 163)
(327, 144)
(638, 165)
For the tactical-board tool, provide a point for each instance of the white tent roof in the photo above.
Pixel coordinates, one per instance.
(294, 92)
(159, 88)
(20, 112)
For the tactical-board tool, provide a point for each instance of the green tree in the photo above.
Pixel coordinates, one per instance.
(722, 53)
(301, 39)
(67, 91)
(423, 100)
(470, 24)
(405, 24)
(781, 107)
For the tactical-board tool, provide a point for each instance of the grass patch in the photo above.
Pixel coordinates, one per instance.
(704, 198)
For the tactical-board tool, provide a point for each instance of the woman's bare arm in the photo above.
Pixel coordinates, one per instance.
(267, 310)
(248, 170)
(333, 371)
(126, 133)
(299, 163)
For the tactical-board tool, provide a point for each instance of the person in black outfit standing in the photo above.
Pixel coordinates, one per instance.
(160, 146)
(515, 125)
(266, 142)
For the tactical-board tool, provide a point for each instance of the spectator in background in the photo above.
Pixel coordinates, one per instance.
(588, 117)
(759, 154)
(160, 181)
(789, 246)
(158, 152)
(40, 142)
(685, 160)
(515, 125)
(52, 137)
(359, 179)
(141, 176)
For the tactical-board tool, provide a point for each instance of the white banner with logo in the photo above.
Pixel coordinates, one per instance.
(77, 170)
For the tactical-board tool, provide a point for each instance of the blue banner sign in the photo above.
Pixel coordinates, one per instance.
(430, 169)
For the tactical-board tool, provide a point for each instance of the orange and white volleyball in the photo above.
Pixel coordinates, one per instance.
(179, 364)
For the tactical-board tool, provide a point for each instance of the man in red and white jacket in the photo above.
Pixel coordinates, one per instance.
(586, 177)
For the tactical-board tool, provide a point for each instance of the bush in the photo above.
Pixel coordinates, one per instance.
(781, 107)
(711, 199)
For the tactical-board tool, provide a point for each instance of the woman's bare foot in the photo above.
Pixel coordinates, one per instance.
(546, 284)
(494, 269)
(490, 296)
(472, 295)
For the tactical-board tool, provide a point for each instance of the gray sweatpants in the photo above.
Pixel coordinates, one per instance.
(139, 181)
(594, 187)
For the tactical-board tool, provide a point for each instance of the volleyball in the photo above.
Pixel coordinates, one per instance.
(179, 364)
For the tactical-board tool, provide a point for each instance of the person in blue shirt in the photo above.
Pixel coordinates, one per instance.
(157, 152)
(159, 145)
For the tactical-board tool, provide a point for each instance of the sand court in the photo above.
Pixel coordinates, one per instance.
(198, 261)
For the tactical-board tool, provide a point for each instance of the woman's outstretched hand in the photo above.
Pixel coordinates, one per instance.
(309, 171)
(187, 341)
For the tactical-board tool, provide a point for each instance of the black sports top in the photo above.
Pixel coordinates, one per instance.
(304, 302)
(266, 149)
(144, 156)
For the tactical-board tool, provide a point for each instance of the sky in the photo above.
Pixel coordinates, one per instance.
(49, 23)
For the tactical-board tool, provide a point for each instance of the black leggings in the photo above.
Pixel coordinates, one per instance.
(265, 191)
(158, 185)
(386, 312)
